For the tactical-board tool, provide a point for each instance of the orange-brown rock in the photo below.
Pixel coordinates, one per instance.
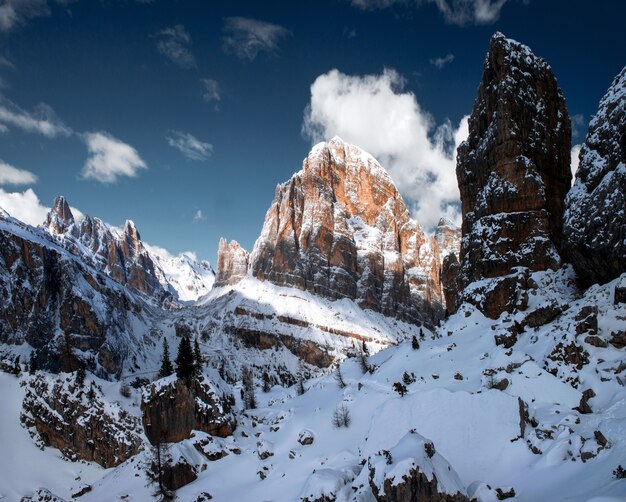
(232, 263)
(340, 229)
(513, 173)
(82, 426)
(173, 408)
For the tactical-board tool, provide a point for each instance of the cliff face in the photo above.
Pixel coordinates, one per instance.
(173, 408)
(123, 257)
(340, 229)
(61, 306)
(595, 214)
(513, 173)
(232, 263)
(79, 422)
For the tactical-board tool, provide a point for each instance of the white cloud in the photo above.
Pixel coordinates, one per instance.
(110, 158)
(174, 43)
(575, 161)
(246, 37)
(374, 113)
(43, 120)
(17, 12)
(210, 89)
(6, 63)
(10, 175)
(190, 146)
(199, 216)
(459, 12)
(25, 206)
(441, 62)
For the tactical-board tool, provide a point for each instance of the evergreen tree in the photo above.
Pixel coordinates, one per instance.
(267, 386)
(400, 389)
(365, 349)
(17, 367)
(185, 365)
(339, 377)
(414, 343)
(91, 394)
(248, 395)
(197, 356)
(81, 373)
(166, 364)
(422, 337)
(32, 363)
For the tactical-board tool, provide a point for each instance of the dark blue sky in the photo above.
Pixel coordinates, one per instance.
(136, 73)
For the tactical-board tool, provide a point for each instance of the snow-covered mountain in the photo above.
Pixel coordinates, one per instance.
(323, 370)
(189, 277)
(339, 228)
(121, 254)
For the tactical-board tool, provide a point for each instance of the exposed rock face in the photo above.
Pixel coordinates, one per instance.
(173, 408)
(448, 238)
(232, 263)
(123, 257)
(513, 173)
(412, 471)
(450, 281)
(51, 300)
(595, 213)
(82, 427)
(340, 229)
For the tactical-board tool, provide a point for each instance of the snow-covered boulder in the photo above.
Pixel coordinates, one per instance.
(410, 471)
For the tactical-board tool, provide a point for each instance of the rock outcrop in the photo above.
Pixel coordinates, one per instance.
(513, 173)
(123, 257)
(172, 408)
(79, 422)
(232, 263)
(62, 307)
(595, 213)
(411, 471)
(340, 229)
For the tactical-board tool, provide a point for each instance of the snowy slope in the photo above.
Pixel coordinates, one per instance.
(189, 277)
(474, 427)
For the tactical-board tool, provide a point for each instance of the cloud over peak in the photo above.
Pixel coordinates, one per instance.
(245, 37)
(110, 158)
(174, 43)
(375, 113)
(190, 146)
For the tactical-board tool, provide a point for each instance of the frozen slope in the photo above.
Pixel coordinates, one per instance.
(453, 402)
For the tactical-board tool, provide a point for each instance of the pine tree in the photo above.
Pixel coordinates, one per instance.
(365, 349)
(81, 373)
(185, 365)
(32, 363)
(91, 394)
(422, 337)
(414, 343)
(197, 357)
(267, 386)
(400, 389)
(339, 378)
(248, 395)
(341, 417)
(166, 364)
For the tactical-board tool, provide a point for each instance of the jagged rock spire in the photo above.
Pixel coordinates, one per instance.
(513, 173)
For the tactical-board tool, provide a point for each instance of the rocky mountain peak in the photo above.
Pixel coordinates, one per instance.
(339, 228)
(60, 217)
(513, 173)
(594, 236)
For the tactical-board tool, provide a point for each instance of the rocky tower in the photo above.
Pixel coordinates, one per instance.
(595, 213)
(123, 257)
(232, 263)
(513, 173)
(339, 228)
